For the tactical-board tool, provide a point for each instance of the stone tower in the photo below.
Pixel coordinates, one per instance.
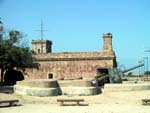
(41, 46)
(107, 42)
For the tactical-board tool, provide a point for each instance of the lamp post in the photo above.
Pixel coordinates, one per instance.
(144, 65)
(149, 57)
(146, 58)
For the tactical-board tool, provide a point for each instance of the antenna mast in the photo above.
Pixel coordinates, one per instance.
(41, 32)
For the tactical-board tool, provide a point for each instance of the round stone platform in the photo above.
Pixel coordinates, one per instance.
(77, 87)
(40, 83)
(37, 87)
(54, 87)
(35, 91)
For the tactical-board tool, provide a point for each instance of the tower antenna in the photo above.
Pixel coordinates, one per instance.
(41, 30)
(42, 33)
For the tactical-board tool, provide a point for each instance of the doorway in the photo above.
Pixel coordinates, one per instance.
(102, 76)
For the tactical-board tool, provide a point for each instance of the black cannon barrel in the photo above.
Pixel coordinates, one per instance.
(132, 68)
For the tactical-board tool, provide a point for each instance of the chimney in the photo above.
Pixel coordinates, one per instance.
(107, 42)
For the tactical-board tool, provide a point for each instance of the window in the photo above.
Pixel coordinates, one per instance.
(39, 51)
(50, 75)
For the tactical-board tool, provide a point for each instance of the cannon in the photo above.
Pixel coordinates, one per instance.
(130, 69)
(114, 75)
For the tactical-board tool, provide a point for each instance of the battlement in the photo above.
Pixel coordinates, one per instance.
(41, 41)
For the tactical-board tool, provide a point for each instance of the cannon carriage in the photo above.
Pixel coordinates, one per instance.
(114, 75)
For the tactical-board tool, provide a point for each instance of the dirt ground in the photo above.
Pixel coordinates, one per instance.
(107, 102)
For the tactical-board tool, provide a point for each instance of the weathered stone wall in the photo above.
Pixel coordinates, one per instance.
(62, 67)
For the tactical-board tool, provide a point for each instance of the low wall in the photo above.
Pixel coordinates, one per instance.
(40, 83)
(126, 87)
(75, 83)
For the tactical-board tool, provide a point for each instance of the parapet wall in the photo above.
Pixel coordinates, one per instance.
(75, 55)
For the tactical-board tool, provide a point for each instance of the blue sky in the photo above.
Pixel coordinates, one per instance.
(78, 25)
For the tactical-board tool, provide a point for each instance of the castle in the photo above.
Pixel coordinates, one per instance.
(71, 65)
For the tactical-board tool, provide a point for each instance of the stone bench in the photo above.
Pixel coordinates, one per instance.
(146, 101)
(70, 100)
(10, 102)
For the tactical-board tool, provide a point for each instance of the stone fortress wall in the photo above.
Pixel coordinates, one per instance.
(71, 64)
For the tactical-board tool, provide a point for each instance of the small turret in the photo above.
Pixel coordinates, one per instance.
(41, 46)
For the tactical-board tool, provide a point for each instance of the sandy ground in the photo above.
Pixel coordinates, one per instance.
(107, 102)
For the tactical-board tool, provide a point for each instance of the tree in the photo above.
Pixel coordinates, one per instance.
(12, 55)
